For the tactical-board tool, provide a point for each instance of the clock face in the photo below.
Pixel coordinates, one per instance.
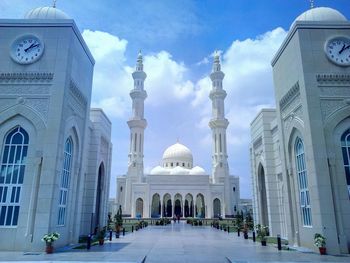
(27, 49)
(338, 50)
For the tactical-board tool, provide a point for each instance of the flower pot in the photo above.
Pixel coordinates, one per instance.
(49, 248)
(322, 250)
(245, 235)
(263, 242)
(101, 241)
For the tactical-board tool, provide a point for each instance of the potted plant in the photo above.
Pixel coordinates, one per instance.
(320, 242)
(118, 222)
(101, 235)
(49, 239)
(262, 233)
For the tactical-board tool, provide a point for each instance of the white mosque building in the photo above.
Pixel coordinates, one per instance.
(177, 187)
(55, 152)
(300, 151)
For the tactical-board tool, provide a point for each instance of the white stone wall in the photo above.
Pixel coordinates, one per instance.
(311, 104)
(51, 106)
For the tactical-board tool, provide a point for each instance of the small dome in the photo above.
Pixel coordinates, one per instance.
(197, 171)
(158, 170)
(178, 170)
(177, 155)
(325, 14)
(46, 13)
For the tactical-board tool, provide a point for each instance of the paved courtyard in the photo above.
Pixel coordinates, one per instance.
(178, 243)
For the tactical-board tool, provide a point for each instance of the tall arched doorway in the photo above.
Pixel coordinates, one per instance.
(155, 211)
(178, 205)
(188, 209)
(264, 219)
(139, 208)
(200, 206)
(98, 200)
(216, 208)
(167, 206)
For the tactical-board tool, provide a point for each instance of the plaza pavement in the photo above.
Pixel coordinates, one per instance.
(178, 243)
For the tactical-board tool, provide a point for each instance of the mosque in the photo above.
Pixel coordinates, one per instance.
(300, 150)
(177, 187)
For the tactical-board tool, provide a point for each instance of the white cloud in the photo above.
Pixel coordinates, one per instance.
(111, 75)
(112, 82)
(166, 79)
(248, 82)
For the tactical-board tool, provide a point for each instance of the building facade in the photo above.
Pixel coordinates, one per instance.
(55, 152)
(177, 188)
(299, 151)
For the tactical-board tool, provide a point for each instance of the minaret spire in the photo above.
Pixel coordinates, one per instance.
(137, 122)
(218, 123)
(312, 4)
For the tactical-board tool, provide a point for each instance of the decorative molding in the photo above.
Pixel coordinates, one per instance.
(274, 130)
(333, 79)
(79, 96)
(20, 90)
(297, 113)
(291, 94)
(329, 106)
(40, 105)
(257, 143)
(26, 77)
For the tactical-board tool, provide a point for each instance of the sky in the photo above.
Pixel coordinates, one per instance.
(178, 39)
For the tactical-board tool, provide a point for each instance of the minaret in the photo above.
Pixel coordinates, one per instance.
(218, 123)
(137, 123)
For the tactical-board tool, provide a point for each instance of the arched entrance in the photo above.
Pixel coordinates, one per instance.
(167, 207)
(264, 219)
(99, 189)
(139, 208)
(188, 209)
(178, 205)
(200, 206)
(155, 211)
(216, 208)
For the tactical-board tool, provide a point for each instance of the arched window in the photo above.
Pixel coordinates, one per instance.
(13, 159)
(64, 184)
(303, 184)
(345, 146)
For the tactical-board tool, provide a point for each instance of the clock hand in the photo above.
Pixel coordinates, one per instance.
(32, 46)
(28, 47)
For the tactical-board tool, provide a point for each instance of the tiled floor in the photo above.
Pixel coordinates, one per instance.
(178, 243)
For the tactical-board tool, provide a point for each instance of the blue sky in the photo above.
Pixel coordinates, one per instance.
(177, 39)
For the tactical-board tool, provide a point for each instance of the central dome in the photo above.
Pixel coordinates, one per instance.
(47, 12)
(177, 155)
(324, 14)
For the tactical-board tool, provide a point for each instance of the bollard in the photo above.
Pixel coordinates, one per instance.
(238, 232)
(132, 229)
(254, 236)
(88, 242)
(123, 231)
(228, 229)
(279, 244)
(110, 235)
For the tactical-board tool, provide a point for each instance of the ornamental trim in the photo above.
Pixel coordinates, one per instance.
(333, 79)
(77, 93)
(291, 94)
(26, 77)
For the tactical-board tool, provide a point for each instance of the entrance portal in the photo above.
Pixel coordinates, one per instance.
(177, 210)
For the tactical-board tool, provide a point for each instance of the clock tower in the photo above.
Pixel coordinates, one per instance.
(311, 73)
(45, 91)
